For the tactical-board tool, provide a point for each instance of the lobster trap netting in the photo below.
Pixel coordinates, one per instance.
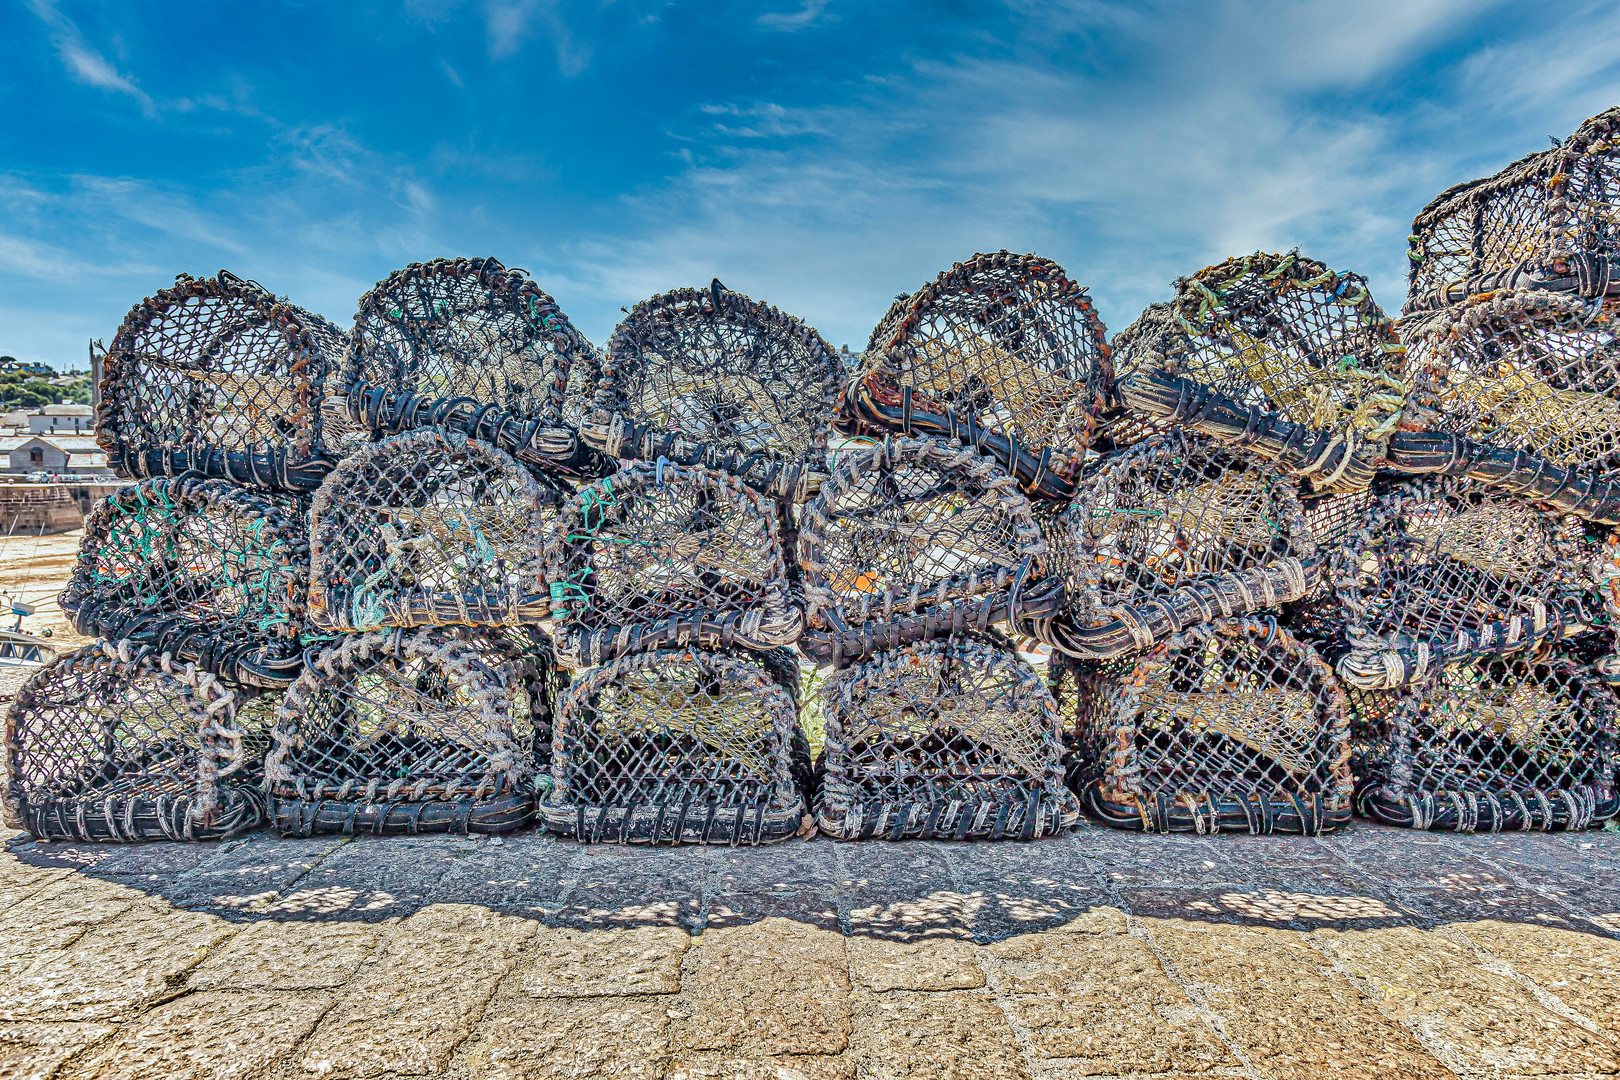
(416, 731)
(708, 376)
(1525, 370)
(951, 739)
(679, 746)
(665, 554)
(113, 742)
(1492, 744)
(1231, 725)
(472, 346)
(1174, 512)
(1002, 352)
(429, 528)
(209, 573)
(1445, 569)
(1549, 220)
(914, 538)
(1271, 336)
(216, 376)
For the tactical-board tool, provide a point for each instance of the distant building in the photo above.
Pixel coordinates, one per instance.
(60, 455)
(11, 363)
(50, 419)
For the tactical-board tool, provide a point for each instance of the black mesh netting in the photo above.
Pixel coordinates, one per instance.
(1549, 220)
(1172, 532)
(665, 554)
(1002, 352)
(1444, 569)
(113, 742)
(680, 746)
(708, 376)
(407, 731)
(1282, 336)
(1516, 743)
(210, 573)
(472, 346)
(429, 528)
(952, 739)
(1525, 370)
(916, 538)
(1231, 725)
(217, 376)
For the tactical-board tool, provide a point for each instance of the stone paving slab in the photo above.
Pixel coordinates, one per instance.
(1376, 953)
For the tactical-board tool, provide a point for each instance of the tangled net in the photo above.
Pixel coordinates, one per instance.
(954, 739)
(1549, 221)
(218, 377)
(1521, 369)
(1441, 570)
(1518, 743)
(1279, 337)
(425, 529)
(113, 742)
(470, 346)
(916, 538)
(1002, 353)
(1169, 525)
(418, 731)
(1231, 725)
(710, 377)
(208, 573)
(680, 746)
(668, 555)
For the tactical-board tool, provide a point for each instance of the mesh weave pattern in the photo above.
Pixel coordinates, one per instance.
(111, 742)
(425, 730)
(712, 377)
(1002, 352)
(217, 376)
(668, 554)
(915, 538)
(678, 746)
(210, 573)
(1525, 370)
(429, 528)
(1522, 743)
(1229, 725)
(1555, 214)
(1442, 570)
(947, 739)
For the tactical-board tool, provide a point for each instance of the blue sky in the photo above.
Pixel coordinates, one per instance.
(820, 154)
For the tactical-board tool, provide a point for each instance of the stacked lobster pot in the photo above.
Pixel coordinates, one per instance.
(194, 577)
(428, 706)
(977, 395)
(671, 581)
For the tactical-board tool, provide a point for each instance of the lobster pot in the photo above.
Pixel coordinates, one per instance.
(429, 528)
(217, 377)
(1446, 569)
(1232, 725)
(663, 554)
(1550, 215)
(112, 742)
(1002, 352)
(917, 538)
(1515, 743)
(954, 739)
(209, 573)
(1525, 370)
(679, 746)
(708, 376)
(419, 731)
(1281, 336)
(472, 346)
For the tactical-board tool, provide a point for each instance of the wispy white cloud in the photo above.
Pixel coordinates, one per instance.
(510, 23)
(809, 12)
(82, 62)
